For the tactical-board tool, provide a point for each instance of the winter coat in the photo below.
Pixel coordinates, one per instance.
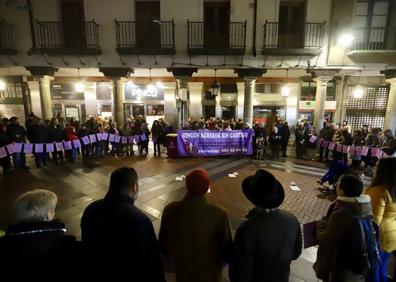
(38, 134)
(156, 130)
(16, 133)
(332, 238)
(40, 252)
(264, 246)
(56, 134)
(195, 237)
(285, 134)
(121, 240)
(384, 210)
(4, 138)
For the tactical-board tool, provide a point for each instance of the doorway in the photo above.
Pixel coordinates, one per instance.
(291, 31)
(73, 23)
(216, 26)
(133, 110)
(148, 25)
(227, 113)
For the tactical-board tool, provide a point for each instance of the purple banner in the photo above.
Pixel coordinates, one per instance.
(214, 143)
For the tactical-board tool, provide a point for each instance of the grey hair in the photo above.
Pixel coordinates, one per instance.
(33, 206)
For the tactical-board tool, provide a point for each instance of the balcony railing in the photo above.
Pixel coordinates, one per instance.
(311, 38)
(374, 38)
(6, 38)
(232, 43)
(69, 37)
(160, 41)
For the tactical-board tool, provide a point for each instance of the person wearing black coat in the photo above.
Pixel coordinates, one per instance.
(285, 136)
(119, 236)
(270, 238)
(17, 134)
(301, 140)
(5, 162)
(156, 130)
(56, 134)
(37, 248)
(38, 133)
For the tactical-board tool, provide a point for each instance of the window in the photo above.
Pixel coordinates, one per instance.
(370, 109)
(155, 110)
(308, 91)
(268, 88)
(103, 91)
(13, 91)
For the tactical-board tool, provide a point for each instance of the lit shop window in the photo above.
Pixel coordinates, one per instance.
(155, 110)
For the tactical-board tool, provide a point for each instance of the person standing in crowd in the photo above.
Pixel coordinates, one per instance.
(311, 147)
(270, 238)
(358, 141)
(5, 162)
(85, 151)
(336, 260)
(56, 134)
(275, 142)
(285, 136)
(326, 133)
(120, 237)
(17, 134)
(37, 248)
(113, 130)
(38, 133)
(372, 140)
(338, 138)
(156, 130)
(100, 144)
(383, 197)
(127, 131)
(348, 141)
(346, 126)
(195, 236)
(70, 136)
(301, 138)
(144, 134)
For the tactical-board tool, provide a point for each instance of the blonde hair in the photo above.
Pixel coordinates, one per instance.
(33, 206)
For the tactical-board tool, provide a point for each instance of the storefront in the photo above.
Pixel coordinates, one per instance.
(11, 101)
(104, 99)
(146, 100)
(67, 102)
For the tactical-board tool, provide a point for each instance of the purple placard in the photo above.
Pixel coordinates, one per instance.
(39, 148)
(99, 136)
(136, 138)
(27, 148)
(214, 143)
(325, 144)
(59, 146)
(92, 138)
(376, 152)
(111, 137)
(17, 148)
(131, 140)
(358, 150)
(117, 138)
(155, 138)
(332, 146)
(3, 152)
(77, 143)
(345, 149)
(49, 147)
(319, 141)
(85, 140)
(105, 136)
(384, 155)
(143, 137)
(339, 148)
(313, 139)
(365, 150)
(67, 145)
(10, 148)
(124, 140)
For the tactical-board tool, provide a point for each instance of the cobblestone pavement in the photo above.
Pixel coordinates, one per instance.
(78, 184)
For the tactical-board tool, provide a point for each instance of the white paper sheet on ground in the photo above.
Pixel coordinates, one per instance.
(293, 184)
(295, 188)
(208, 190)
(235, 173)
(231, 175)
(180, 178)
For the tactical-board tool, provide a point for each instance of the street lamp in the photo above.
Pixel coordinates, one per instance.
(345, 40)
(358, 92)
(285, 91)
(79, 86)
(215, 86)
(3, 85)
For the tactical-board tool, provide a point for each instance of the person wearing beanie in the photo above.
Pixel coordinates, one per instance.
(270, 238)
(195, 236)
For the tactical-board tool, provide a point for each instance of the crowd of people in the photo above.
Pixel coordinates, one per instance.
(195, 242)
(58, 129)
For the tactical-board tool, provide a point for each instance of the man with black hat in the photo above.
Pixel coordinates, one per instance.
(269, 239)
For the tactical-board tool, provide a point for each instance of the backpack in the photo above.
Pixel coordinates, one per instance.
(361, 253)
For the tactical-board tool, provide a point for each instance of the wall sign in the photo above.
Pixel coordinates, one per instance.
(65, 91)
(141, 91)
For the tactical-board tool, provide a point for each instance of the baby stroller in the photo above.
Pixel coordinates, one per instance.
(260, 148)
(336, 169)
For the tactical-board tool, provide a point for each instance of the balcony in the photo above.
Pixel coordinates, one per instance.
(370, 40)
(7, 46)
(308, 41)
(67, 38)
(229, 39)
(157, 38)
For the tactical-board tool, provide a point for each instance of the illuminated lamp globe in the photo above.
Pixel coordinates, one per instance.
(358, 92)
(2, 85)
(150, 87)
(79, 87)
(345, 40)
(285, 91)
(159, 84)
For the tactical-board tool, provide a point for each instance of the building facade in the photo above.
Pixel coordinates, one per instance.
(262, 58)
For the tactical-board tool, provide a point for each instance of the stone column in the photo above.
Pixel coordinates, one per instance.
(118, 100)
(248, 100)
(45, 97)
(241, 90)
(390, 116)
(195, 109)
(320, 100)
